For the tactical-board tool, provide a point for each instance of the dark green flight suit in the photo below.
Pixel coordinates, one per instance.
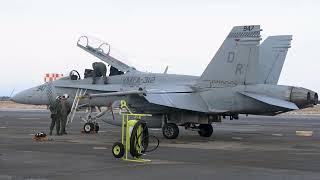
(99, 69)
(55, 108)
(65, 110)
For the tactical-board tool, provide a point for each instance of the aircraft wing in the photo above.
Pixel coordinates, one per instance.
(188, 101)
(102, 51)
(120, 87)
(96, 87)
(111, 90)
(271, 100)
(180, 97)
(169, 89)
(119, 93)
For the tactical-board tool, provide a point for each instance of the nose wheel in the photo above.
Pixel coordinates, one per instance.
(90, 127)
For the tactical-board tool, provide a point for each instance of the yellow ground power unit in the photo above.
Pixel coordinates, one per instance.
(134, 137)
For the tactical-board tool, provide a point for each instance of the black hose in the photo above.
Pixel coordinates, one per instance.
(156, 147)
(144, 135)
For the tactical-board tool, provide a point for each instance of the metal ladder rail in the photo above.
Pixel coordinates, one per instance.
(75, 104)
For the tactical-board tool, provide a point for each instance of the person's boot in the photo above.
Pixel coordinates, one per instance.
(50, 133)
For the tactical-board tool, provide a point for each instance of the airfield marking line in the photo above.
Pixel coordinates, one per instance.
(237, 138)
(27, 118)
(160, 162)
(3, 127)
(304, 133)
(99, 148)
(277, 134)
(27, 151)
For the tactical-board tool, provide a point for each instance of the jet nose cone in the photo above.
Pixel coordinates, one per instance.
(21, 97)
(35, 96)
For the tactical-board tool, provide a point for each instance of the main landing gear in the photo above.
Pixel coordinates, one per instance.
(171, 130)
(205, 130)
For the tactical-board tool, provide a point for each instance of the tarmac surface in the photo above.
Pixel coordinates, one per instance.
(254, 147)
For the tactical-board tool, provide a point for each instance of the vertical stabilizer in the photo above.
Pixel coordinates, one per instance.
(273, 52)
(236, 61)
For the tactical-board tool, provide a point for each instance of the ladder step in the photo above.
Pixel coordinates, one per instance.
(75, 104)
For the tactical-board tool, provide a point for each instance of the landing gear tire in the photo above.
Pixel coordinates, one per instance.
(96, 127)
(170, 131)
(205, 130)
(118, 150)
(88, 127)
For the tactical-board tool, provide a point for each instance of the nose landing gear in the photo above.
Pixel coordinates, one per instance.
(91, 127)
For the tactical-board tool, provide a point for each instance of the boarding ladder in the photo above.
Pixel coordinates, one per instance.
(79, 95)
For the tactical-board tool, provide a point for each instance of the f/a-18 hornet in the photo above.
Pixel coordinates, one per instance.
(238, 80)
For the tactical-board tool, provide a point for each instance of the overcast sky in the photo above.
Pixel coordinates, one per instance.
(39, 36)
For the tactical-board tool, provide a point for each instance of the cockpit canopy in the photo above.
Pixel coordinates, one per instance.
(102, 50)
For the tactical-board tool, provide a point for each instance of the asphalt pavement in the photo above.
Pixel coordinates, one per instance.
(254, 147)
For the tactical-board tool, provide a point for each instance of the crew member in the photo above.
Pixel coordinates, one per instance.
(55, 119)
(65, 110)
(99, 69)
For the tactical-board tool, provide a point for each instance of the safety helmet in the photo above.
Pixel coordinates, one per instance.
(58, 97)
(66, 96)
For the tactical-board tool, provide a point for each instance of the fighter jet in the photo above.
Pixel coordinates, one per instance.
(236, 81)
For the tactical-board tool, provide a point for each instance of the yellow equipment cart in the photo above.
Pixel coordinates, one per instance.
(134, 137)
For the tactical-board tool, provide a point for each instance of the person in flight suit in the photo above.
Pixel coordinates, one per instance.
(64, 112)
(99, 69)
(55, 108)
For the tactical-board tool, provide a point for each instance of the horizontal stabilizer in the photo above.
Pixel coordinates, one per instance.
(187, 101)
(271, 100)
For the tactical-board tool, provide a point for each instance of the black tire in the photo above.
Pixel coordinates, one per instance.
(205, 130)
(170, 131)
(96, 128)
(118, 150)
(88, 127)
